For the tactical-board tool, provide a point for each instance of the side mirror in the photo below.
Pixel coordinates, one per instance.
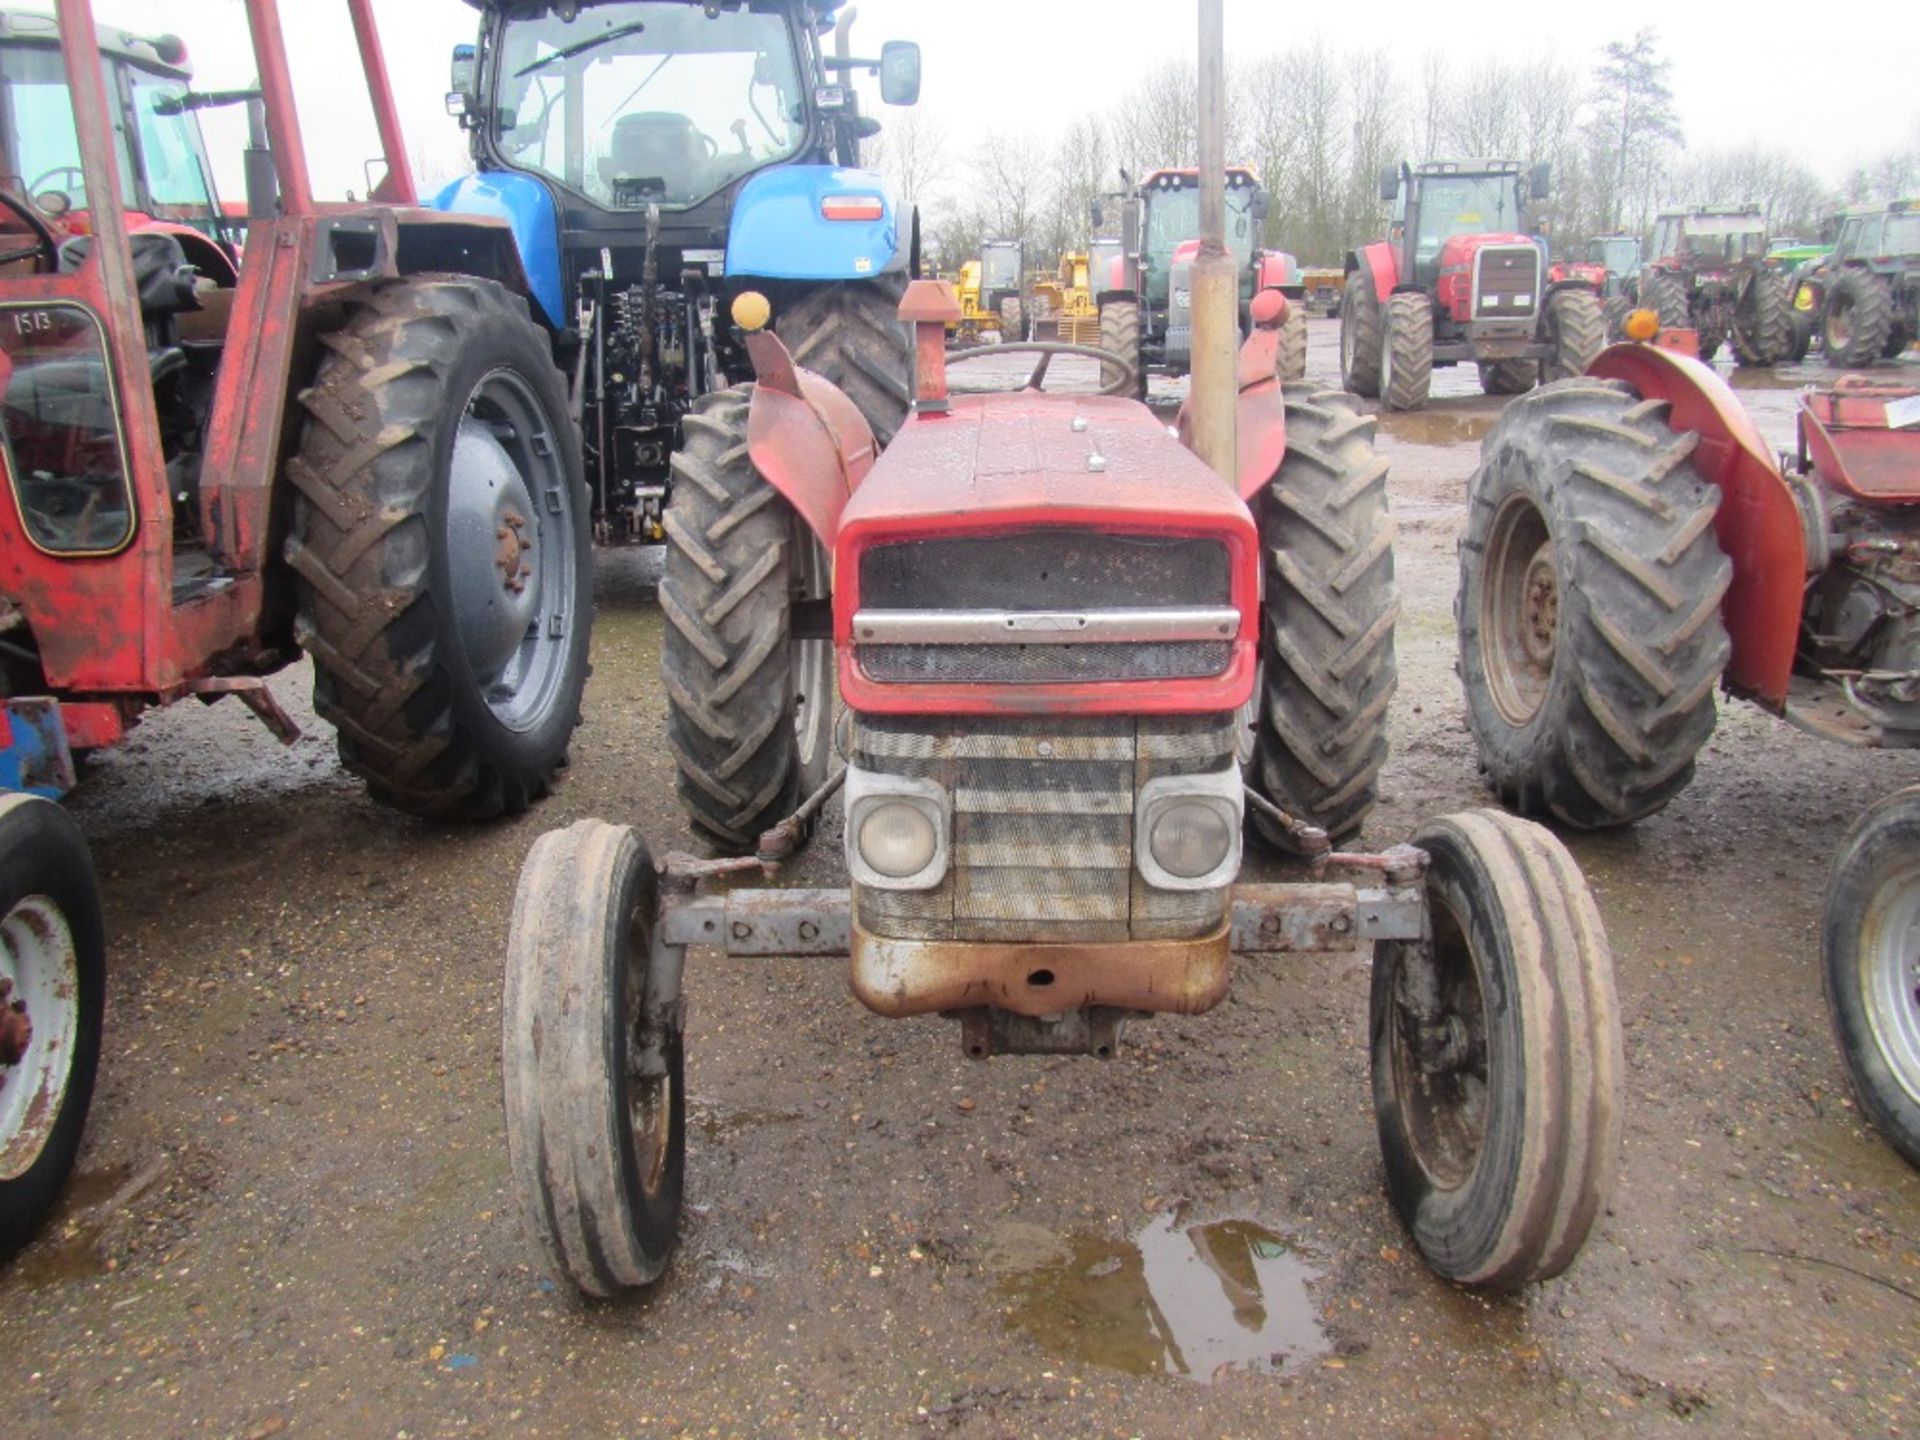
(462, 83)
(1389, 182)
(1261, 206)
(1541, 178)
(900, 72)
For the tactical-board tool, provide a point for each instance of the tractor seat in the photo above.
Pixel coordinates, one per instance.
(656, 148)
(160, 270)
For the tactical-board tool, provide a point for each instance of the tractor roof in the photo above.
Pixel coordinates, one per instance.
(1693, 212)
(1476, 165)
(1180, 175)
(166, 54)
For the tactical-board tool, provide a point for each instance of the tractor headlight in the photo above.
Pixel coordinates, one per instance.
(896, 831)
(1187, 831)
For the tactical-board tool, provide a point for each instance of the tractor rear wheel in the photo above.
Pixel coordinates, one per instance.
(1666, 295)
(1120, 335)
(53, 982)
(1576, 328)
(1496, 1047)
(1589, 606)
(1293, 344)
(749, 707)
(1013, 319)
(1616, 310)
(1799, 334)
(1509, 377)
(592, 1061)
(1360, 335)
(1859, 318)
(1326, 636)
(1762, 333)
(850, 332)
(1406, 352)
(1870, 949)
(440, 548)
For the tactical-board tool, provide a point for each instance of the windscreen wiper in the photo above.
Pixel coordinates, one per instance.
(580, 47)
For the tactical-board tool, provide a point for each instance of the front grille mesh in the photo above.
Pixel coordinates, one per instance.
(1058, 569)
(1043, 826)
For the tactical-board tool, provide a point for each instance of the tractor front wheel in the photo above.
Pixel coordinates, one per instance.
(1360, 335)
(1497, 1073)
(1120, 335)
(1508, 377)
(1406, 352)
(1615, 311)
(1859, 318)
(1327, 668)
(1589, 606)
(749, 707)
(850, 332)
(1870, 952)
(53, 979)
(1576, 328)
(593, 1061)
(440, 548)
(1762, 324)
(1666, 296)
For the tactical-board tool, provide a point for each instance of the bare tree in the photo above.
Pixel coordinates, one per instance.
(912, 153)
(1632, 129)
(1379, 138)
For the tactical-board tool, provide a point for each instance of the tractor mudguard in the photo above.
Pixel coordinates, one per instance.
(807, 439)
(527, 207)
(1278, 271)
(1758, 524)
(1377, 261)
(1260, 414)
(781, 230)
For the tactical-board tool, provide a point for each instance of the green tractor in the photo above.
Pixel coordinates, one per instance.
(1867, 292)
(1145, 294)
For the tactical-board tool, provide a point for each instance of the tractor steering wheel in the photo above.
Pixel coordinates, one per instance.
(79, 175)
(44, 241)
(1127, 384)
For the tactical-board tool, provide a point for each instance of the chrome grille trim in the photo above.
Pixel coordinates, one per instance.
(1042, 627)
(1043, 816)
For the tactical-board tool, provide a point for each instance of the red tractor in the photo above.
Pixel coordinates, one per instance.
(1631, 547)
(1460, 278)
(1074, 660)
(1707, 271)
(355, 445)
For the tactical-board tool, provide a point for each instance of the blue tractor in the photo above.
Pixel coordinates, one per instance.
(654, 159)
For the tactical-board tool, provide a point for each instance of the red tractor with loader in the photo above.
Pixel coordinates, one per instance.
(355, 445)
(1076, 664)
(1461, 278)
(1631, 547)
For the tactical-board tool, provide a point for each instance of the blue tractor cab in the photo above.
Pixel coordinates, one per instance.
(656, 157)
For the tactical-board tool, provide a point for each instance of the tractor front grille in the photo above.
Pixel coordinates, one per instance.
(1506, 282)
(1075, 606)
(1043, 830)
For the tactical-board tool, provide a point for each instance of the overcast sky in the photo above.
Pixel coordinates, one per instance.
(1793, 77)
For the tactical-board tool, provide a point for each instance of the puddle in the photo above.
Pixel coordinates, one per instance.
(1762, 377)
(718, 1122)
(1192, 1300)
(68, 1248)
(1436, 427)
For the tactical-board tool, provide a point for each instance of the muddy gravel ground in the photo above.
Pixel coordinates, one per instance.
(292, 1213)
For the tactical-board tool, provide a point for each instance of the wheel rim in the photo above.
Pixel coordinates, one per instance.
(1519, 611)
(512, 519)
(1839, 331)
(39, 1027)
(813, 666)
(1440, 1050)
(1890, 975)
(649, 1097)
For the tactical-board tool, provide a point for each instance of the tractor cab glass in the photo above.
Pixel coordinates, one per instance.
(1620, 254)
(1173, 217)
(1726, 238)
(162, 157)
(648, 103)
(1453, 205)
(60, 429)
(999, 267)
(1902, 234)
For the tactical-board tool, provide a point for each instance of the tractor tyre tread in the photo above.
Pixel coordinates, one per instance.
(1639, 641)
(1013, 319)
(1666, 295)
(367, 482)
(1292, 366)
(1328, 670)
(1408, 345)
(726, 593)
(1509, 377)
(1361, 319)
(1762, 330)
(1869, 302)
(1577, 329)
(1120, 334)
(850, 333)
